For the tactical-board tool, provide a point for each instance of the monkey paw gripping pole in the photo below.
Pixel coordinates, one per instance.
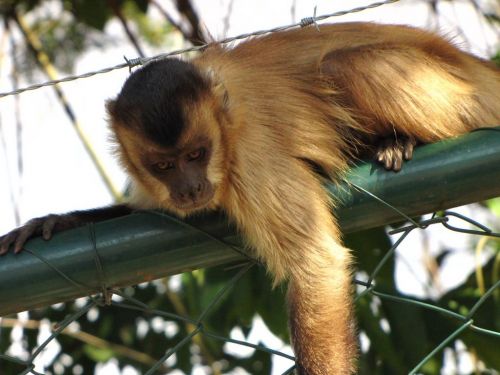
(148, 245)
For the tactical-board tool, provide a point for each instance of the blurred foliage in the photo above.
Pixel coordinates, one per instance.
(496, 59)
(152, 32)
(67, 28)
(494, 206)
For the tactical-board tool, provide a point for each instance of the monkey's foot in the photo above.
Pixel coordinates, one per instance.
(391, 152)
(43, 226)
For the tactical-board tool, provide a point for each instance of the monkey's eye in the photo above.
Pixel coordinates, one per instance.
(195, 155)
(163, 165)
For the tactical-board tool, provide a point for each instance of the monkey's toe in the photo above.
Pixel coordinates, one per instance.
(391, 152)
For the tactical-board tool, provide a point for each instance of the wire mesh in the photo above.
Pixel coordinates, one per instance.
(369, 286)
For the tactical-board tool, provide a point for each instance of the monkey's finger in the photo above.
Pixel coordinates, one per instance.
(382, 146)
(6, 241)
(48, 227)
(388, 164)
(388, 157)
(397, 159)
(24, 234)
(380, 156)
(409, 147)
(408, 154)
(397, 162)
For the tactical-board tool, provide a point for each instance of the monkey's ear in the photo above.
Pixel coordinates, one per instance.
(114, 117)
(218, 88)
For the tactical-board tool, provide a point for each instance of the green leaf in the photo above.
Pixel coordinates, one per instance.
(271, 305)
(485, 347)
(382, 350)
(141, 5)
(494, 204)
(369, 247)
(154, 32)
(94, 13)
(98, 354)
(410, 332)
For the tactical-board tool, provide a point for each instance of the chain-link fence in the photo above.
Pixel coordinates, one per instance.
(196, 326)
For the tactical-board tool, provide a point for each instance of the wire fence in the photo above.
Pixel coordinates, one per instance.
(366, 287)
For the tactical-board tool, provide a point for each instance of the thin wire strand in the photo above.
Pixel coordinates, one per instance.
(131, 63)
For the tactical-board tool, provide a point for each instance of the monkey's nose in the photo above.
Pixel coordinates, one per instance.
(191, 194)
(193, 197)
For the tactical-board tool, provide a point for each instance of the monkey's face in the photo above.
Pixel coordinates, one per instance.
(184, 177)
(183, 173)
(167, 122)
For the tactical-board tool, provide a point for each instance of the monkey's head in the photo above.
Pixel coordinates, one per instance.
(167, 123)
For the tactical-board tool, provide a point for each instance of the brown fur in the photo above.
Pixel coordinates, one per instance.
(277, 104)
(315, 96)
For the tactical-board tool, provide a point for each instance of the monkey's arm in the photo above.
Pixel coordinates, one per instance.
(47, 225)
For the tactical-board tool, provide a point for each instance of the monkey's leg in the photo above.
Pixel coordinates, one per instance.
(418, 91)
(47, 225)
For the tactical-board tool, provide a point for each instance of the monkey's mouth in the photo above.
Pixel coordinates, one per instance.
(194, 205)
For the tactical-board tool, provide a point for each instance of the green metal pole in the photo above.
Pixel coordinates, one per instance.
(146, 246)
(447, 174)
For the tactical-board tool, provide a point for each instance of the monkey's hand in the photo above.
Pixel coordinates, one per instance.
(392, 151)
(46, 226)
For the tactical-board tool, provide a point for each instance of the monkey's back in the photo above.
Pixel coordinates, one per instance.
(326, 88)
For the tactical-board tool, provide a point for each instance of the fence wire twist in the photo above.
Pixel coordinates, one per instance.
(104, 299)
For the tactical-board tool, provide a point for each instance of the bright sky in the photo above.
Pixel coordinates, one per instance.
(58, 176)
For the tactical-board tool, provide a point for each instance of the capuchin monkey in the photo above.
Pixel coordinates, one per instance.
(245, 129)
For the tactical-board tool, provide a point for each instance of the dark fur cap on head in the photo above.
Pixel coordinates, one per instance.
(153, 97)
